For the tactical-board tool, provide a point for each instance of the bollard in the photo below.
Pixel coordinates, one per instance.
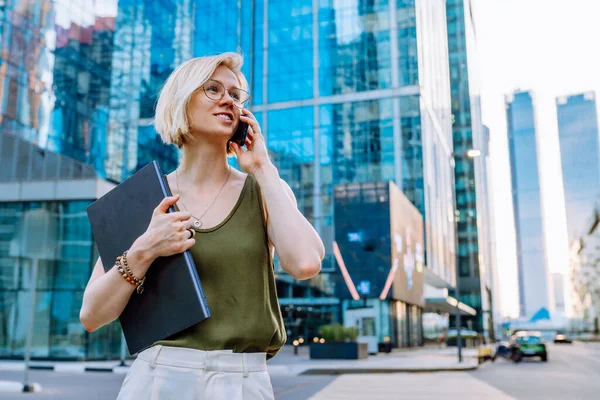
(295, 343)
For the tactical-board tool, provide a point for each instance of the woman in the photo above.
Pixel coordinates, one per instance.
(231, 221)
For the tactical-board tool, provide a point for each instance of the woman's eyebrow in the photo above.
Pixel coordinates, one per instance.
(230, 87)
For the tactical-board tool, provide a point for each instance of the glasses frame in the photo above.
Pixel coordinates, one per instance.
(242, 104)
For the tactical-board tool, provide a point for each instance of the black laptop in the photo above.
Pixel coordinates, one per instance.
(173, 299)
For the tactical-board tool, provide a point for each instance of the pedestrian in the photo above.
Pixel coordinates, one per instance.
(232, 221)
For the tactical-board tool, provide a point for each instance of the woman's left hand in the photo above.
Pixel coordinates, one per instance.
(256, 156)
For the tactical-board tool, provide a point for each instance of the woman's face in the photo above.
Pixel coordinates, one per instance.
(211, 118)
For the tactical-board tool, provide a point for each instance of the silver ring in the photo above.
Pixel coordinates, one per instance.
(192, 233)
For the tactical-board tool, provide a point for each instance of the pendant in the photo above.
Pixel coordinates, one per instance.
(197, 224)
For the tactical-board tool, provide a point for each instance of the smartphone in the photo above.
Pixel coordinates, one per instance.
(239, 136)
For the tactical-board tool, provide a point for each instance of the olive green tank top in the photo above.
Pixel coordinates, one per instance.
(236, 271)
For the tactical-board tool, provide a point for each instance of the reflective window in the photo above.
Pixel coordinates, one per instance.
(579, 152)
(62, 275)
(290, 53)
(354, 47)
(291, 143)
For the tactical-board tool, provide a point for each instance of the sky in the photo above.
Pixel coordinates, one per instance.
(549, 47)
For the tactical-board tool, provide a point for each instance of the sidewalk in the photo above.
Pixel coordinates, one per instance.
(286, 363)
(405, 360)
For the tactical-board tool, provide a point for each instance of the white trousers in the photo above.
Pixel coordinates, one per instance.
(174, 373)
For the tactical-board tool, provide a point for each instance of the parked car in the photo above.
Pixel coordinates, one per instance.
(528, 344)
(561, 338)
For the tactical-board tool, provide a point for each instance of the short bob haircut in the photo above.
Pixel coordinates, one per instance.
(171, 120)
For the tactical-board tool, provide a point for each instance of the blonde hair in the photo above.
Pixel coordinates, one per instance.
(171, 120)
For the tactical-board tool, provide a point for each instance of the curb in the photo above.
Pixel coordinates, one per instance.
(275, 369)
(341, 371)
(78, 369)
(18, 387)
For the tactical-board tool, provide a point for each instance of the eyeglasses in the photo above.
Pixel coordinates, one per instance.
(215, 91)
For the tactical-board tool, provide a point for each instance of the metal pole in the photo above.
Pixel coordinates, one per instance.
(123, 349)
(458, 321)
(29, 339)
(457, 266)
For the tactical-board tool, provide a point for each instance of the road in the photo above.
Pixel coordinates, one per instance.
(572, 372)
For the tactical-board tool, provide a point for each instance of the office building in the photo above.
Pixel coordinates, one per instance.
(77, 92)
(476, 260)
(584, 285)
(535, 292)
(351, 94)
(580, 157)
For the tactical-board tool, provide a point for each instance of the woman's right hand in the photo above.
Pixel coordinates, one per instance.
(167, 233)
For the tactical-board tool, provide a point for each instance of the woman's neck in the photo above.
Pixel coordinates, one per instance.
(202, 165)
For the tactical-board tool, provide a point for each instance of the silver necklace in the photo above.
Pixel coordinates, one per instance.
(198, 221)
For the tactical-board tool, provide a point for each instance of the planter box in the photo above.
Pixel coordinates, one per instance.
(385, 347)
(339, 350)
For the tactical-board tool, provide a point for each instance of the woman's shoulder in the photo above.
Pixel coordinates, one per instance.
(239, 177)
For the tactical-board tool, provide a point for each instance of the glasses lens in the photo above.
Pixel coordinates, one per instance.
(240, 97)
(214, 90)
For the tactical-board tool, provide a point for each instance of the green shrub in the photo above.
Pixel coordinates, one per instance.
(351, 333)
(338, 333)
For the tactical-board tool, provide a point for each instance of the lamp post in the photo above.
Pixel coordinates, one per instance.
(36, 240)
(123, 350)
(472, 153)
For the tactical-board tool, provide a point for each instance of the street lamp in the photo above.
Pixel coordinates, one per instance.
(471, 153)
(37, 241)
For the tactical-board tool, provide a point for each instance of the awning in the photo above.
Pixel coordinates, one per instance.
(447, 305)
(432, 279)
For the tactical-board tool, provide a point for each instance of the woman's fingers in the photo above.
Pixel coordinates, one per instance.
(180, 215)
(236, 149)
(189, 243)
(251, 121)
(164, 205)
(188, 224)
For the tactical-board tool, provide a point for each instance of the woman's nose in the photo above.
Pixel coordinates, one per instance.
(227, 97)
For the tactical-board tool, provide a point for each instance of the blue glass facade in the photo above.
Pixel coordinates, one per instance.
(475, 261)
(580, 158)
(60, 283)
(81, 82)
(356, 92)
(534, 284)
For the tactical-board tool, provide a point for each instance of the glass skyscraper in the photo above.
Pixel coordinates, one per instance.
(347, 92)
(77, 90)
(475, 259)
(580, 158)
(535, 292)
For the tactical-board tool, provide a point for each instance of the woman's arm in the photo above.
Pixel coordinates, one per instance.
(107, 293)
(298, 246)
